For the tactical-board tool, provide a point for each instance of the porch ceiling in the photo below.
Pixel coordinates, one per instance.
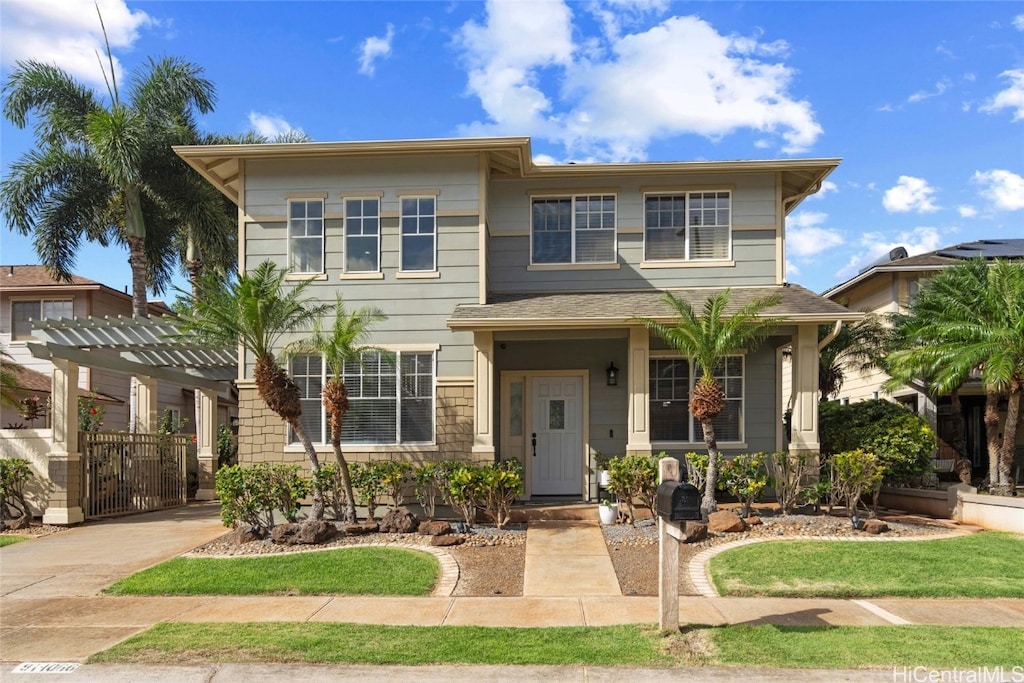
(143, 346)
(615, 309)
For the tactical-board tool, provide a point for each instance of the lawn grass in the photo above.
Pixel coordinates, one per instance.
(10, 539)
(348, 571)
(829, 647)
(982, 565)
(850, 647)
(374, 644)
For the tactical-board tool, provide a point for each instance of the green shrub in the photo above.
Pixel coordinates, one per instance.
(500, 484)
(855, 473)
(14, 474)
(745, 477)
(329, 481)
(466, 490)
(394, 476)
(227, 447)
(902, 441)
(287, 489)
(634, 479)
(788, 471)
(427, 487)
(245, 496)
(367, 485)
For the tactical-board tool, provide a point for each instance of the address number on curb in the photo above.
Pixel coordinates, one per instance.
(45, 668)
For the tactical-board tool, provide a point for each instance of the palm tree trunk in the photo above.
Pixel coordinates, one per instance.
(346, 477)
(317, 512)
(992, 434)
(708, 502)
(1006, 453)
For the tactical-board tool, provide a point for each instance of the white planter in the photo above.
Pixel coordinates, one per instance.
(604, 478)
(608, 513)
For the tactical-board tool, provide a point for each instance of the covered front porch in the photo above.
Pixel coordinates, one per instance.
(562, 377)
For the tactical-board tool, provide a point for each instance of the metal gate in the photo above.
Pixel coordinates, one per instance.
(128, 473)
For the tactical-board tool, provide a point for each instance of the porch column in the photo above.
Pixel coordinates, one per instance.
(206, 443)
(805, 389)
(639, 441)
(146, 416)
(483, 395)
(64, 466)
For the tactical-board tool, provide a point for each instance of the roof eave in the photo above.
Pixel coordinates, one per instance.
(594, 323)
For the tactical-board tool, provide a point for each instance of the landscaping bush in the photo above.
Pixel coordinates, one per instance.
(855, 473)
(394, 476)
(500, 484)
(14, 474)
(227, 447)
(428, 479)
(788, 471)
(634, 479)
(465, 489)
(329, 480)
(368, 485)
(245, 496)
(745, 477)
(287, 489)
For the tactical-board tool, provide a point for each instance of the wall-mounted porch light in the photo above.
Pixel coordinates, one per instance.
(613, 375)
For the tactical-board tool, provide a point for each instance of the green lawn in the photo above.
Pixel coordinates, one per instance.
(982, 565)
(349, 571)
(819, 647)
(10, 539)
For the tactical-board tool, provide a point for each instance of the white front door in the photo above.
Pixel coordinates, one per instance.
(556, 436)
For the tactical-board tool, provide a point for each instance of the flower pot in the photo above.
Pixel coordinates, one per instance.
(607, 513)
(604, 478)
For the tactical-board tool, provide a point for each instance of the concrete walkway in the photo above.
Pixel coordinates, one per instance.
(51, 609)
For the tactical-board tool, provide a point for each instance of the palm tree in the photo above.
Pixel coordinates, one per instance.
(342, 344)
(257, 311)
(967, 319)
(858, 347)
(707, 339)
(9, 383)
(101, 172)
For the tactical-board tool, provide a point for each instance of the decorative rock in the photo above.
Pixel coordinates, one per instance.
(444, 541)
(694, 532)
(23, 522)
(725, 522)
(434, 527)
(753, 521)
(303, 533)
(399, 521)
(360, 528)
(875, 526)
(246, 534)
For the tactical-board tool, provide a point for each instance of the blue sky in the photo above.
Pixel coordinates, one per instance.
(923, 101)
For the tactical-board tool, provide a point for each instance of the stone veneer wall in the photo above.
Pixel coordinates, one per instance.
(261, 433)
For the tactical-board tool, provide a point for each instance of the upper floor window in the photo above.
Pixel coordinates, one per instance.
(306, 235)
(578, 229)
(671, 384)
(362, 235)
(24, 312)
(419, 234)
(687, 226)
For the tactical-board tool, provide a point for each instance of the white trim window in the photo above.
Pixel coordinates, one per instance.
(390, 393)
(688, 226)
(576, 229)
(419, 234)
(671, 385)
(306, 235)
(362, 235)
(24, 312)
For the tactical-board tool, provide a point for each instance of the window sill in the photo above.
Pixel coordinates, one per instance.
(361, 276)
(368, 448)
(305, 276)
(418, 275)
(573, 266)
(688, 264)
(690, 446)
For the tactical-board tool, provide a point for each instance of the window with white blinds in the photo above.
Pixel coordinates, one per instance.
(391, 398)
(688, 226)
(671, 385)
(578, 229)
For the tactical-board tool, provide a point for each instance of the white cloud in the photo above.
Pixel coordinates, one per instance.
(1018, 22)
(1005, 189)
(910, 194)
(874, 245)
(1012, 97)
(270, 126)
(967, 211)
(805, 236)
(827, 187)
(68, 33)
(940, 87)
(719, 83)
(374, 48)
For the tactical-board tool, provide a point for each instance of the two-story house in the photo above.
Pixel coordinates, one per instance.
(512, 292)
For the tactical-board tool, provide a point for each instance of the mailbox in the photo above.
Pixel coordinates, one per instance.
(678, 501)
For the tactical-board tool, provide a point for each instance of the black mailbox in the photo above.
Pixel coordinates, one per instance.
(678, 501)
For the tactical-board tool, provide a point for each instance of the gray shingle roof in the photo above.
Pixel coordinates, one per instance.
(617, 308)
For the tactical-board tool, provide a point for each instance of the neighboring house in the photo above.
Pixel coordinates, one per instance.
(887, 287)
(512, 291)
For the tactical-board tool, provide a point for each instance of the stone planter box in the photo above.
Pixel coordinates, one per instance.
(998, 513)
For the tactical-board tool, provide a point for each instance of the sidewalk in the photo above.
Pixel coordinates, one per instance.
(51, 609)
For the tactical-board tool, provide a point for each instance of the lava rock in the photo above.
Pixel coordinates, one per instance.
(694, 532)
(23, 522)
(753, 521)
(310, 532)
(875, 526)
(725, 522)
(246, 534)
(361, 528)
(434, 527)
(399, 521)
(444, 541)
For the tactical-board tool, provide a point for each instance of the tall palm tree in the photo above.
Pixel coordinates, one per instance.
(101, 170)
(966, 319)
(343, 343)
(9, 384)
(256, 311)
(707, 339)
(858, 347)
